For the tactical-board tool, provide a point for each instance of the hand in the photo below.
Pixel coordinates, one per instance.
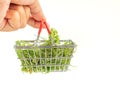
(35, 9)
(16, 17)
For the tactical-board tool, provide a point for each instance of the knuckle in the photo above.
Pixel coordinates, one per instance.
(23, 25)
(15, 14)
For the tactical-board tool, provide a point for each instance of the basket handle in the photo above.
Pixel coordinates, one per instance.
(46, 26)
(48, 30)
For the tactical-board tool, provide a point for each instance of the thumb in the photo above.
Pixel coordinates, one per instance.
(4, 5)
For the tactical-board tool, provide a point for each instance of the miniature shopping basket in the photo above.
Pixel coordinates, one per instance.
(37, 56)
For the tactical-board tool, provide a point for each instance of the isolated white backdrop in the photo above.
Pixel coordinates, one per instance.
(95, 27)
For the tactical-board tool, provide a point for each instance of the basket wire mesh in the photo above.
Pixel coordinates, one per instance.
(45, 58)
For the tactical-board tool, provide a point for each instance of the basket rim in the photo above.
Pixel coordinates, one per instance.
(73, 45)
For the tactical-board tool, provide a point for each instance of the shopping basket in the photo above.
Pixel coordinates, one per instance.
(36, 56)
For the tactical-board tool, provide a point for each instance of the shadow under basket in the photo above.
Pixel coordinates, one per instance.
(44, 58)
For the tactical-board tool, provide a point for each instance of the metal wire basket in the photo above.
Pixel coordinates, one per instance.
(39, 56)
(44, 58)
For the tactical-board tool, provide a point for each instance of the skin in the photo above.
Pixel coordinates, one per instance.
(16, 14)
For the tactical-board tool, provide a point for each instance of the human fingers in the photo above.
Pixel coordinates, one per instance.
(36, 24)
(11, 21)
(23, 2)
(35, 8)
(34, 5)
(32, 22)
(22, 13)
(4, 5)
(14, 17)
(27, 12)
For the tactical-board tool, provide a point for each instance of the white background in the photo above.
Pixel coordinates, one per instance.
(95, 27)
